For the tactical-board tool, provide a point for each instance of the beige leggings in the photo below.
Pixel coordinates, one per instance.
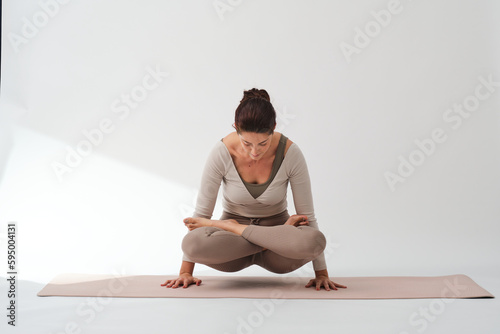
(287, 247)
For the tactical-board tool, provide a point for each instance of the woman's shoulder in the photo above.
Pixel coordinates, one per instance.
(230, 142)
(289, 143)
(230, 138)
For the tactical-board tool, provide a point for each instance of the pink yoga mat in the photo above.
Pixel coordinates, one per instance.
(274, 287)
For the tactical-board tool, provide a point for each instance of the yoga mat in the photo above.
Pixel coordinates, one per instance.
(284, 287)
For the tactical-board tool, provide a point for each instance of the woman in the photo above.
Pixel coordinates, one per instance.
(255, 165)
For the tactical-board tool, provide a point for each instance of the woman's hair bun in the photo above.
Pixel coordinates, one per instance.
(255, 113)
(255, 93)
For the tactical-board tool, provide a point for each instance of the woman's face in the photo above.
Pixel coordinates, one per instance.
(255, 144)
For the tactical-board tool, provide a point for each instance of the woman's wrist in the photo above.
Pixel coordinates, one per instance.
(321, 273)
(186, 268)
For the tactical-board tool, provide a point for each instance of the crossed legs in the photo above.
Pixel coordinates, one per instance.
(227, 245)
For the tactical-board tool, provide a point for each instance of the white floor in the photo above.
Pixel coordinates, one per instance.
(57, 315)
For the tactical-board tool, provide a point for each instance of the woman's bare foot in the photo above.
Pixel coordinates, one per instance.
(194, 223)
(230, 225)
(297, 220)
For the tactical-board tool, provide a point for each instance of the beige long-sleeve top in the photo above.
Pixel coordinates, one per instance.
(220, 169)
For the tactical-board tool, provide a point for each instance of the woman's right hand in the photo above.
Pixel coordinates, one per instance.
(184, 279)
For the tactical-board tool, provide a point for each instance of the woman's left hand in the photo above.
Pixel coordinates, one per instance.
(297, 220)
(325, 282)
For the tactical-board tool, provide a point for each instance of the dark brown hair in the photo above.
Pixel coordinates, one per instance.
(255, 112)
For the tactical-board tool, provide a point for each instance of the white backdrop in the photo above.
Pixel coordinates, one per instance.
(109, 109)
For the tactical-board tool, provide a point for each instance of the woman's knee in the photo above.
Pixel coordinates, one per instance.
(320, 243)
(315, 243)
(194, 243)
